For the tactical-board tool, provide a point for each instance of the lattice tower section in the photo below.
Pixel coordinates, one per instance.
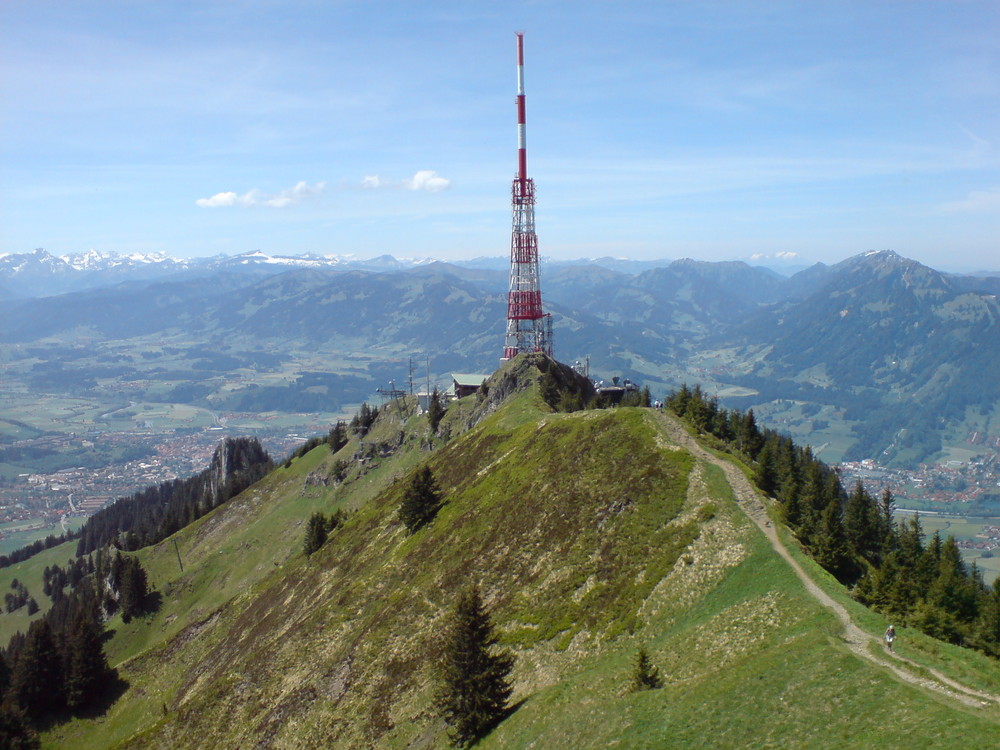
(529, 329)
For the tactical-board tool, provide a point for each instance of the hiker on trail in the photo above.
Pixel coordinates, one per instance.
(890, 636)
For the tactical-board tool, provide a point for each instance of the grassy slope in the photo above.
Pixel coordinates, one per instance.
(590, 536)
(29, 573)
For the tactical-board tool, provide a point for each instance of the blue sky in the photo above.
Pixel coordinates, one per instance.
(712, 130)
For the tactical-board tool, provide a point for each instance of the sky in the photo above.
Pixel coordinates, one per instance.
(782, 131)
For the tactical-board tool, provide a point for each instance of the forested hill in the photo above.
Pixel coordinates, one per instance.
(155, 513)
(590, 534)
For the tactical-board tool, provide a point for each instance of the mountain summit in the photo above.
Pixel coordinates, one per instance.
(591, 535)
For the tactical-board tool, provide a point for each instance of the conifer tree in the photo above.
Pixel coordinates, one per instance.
(36, 685)
(134, 588)
(337, 437)
(766, 475)
(421, 500)
(87, 666)
(645, 676)
(830, 546)
(435, 410)
(989, 624)
(475, 685)
(16, 732)
(862, 523)
(316, 533)
(750, 438)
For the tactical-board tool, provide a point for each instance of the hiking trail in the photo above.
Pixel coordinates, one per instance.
(857, 640)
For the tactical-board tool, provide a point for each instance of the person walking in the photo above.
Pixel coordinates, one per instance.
(890, 636)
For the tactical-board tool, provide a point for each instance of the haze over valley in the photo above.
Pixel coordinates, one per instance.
(545, 374)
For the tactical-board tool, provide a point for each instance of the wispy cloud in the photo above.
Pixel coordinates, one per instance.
(977, 202)
(780, 255)
(425, 179)
(285, 198)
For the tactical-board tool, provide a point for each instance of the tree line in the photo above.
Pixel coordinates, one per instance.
(887, 564)
(151, 515)
(58, 668)
(30, 550)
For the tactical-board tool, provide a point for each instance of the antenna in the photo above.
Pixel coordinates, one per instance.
(529, 329)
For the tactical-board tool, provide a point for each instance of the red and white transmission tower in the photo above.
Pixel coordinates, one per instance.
(528, 328)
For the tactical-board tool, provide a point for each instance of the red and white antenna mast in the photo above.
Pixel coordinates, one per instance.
(528, 328)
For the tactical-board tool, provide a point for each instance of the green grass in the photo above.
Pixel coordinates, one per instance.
(966, 665)
(589, 537)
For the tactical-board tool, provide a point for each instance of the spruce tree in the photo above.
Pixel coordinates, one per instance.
(766, 474)
(421, 500)
(316, 533)
(87, 666)
(133, 590)
(989, 623)
(16, 732)
(645, 676)
(36, 685)
(830, 547)
(337, 437)
(862, 524)
(475, 685)
(435, 410)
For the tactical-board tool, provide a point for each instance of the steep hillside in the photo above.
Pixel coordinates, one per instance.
(883, 333)
(591, 534)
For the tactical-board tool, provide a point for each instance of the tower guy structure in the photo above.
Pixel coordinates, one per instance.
(528, 328)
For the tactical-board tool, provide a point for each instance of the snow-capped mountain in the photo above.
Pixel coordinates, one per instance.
(41, 274)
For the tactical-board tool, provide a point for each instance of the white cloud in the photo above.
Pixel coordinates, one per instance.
(285, 198)
(219, 199)
(978, 201)
(425, 179)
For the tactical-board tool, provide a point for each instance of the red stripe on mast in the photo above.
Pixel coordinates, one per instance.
(528, 327)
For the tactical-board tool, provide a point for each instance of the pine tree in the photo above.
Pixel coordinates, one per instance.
(435, 410)
(316, 533)
(989, 624)
(36, 685)
(862, 524)
(645, 676)
(475, 685)
(134, 588)
(421, 500)
(766, 475)
(830, 548)
(87, 666)
(16, 732)
(750, 440)
(337, 437)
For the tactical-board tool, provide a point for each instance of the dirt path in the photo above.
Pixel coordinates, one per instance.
(857, 640)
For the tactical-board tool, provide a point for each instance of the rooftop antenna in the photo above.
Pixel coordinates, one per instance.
(528, 327)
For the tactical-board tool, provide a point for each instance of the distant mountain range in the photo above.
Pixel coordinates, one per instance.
(895, 352)
(41, 274)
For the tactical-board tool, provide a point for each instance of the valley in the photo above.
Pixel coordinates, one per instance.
(144, 362)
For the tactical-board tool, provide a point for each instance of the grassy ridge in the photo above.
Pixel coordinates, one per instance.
(590, 535)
